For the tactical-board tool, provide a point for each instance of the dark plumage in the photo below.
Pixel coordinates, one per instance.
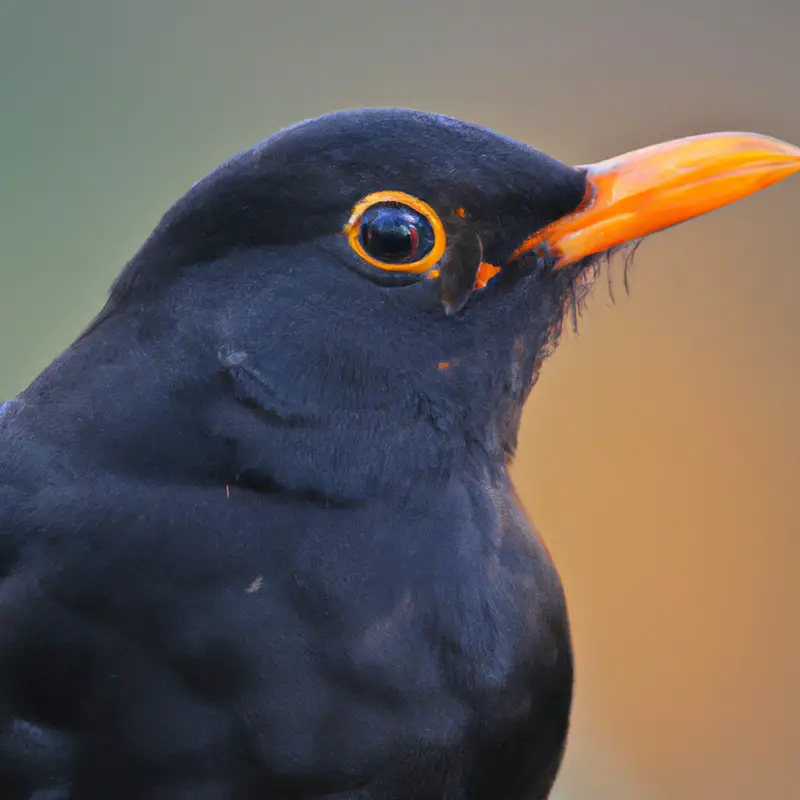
(257, 534)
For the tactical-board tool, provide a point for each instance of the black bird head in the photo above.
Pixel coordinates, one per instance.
(361, 302)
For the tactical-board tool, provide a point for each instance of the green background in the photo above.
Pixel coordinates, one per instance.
(661, 450)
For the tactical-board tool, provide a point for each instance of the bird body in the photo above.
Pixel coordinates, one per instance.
(257, 533)
(422, 646)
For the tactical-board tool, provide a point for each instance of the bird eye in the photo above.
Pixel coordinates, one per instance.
(396, 232)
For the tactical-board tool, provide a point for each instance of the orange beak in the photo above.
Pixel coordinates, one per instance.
(648, 190)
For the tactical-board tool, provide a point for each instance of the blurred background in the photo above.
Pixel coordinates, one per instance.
(661, 453)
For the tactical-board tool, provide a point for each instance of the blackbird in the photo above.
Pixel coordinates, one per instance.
(258, 537)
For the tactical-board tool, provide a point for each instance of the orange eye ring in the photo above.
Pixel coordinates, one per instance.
(353, 231)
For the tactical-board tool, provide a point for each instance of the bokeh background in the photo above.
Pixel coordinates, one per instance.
(661, 448)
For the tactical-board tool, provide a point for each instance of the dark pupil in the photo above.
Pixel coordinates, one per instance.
(396, 234)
